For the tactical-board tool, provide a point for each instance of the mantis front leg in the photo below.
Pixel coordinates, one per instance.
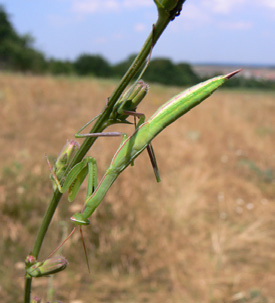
(73, 180)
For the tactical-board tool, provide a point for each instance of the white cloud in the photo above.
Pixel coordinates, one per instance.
(92, 6)
(140, 27)
(227, 6)
(269, 3)
(85, 6)
(195, 13)
(133, 4)
(207, 6)
(237, 25)
(222, 6)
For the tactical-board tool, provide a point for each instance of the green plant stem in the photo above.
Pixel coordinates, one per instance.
(28, 285)
(99, 126)
(46, 222)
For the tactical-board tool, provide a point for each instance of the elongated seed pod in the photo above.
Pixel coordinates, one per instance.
(48, 267)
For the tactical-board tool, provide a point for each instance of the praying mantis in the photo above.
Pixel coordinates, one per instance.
(133, 145)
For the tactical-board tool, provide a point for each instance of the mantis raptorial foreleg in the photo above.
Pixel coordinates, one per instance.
(73, 180)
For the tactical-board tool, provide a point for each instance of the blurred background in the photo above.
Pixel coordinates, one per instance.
(206, 232)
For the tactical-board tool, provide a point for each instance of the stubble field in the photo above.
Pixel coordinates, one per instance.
(204, 234)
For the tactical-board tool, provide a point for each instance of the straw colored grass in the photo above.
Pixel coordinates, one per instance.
(204, 234)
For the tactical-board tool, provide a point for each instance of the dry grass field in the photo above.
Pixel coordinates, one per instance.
(205, 234)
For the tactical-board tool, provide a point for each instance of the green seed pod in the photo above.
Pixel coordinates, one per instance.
(138, 93)
(47, 267)
(129, 101)
(63, 160)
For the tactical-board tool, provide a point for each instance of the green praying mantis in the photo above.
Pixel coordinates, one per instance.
(131, 147)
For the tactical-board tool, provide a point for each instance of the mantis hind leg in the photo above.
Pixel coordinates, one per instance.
(153, 160)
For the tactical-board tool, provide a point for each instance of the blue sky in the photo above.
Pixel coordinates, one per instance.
(208, 31)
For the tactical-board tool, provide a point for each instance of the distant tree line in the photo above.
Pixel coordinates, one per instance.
(17, 53)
